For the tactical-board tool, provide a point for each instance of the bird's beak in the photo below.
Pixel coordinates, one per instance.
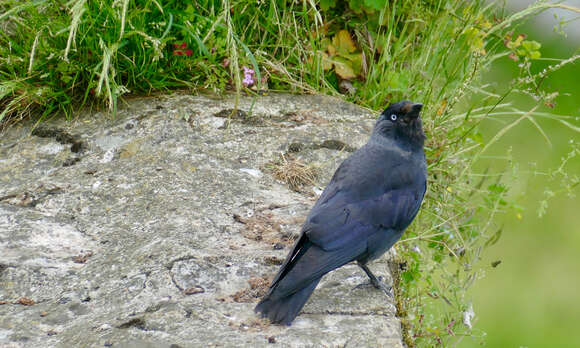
(415, 109)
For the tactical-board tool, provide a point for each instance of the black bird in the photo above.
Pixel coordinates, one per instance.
(371, 199)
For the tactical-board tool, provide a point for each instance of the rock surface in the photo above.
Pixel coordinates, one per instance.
(163, 227)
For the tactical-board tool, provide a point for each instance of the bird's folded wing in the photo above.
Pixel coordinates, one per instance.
(339, 223)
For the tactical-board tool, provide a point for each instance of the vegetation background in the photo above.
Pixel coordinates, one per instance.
(530, 299)
(501, 115)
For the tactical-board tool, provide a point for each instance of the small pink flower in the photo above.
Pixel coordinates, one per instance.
(249, 78)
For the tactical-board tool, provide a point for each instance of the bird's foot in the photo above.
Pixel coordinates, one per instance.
(377, 282)
(388, 290)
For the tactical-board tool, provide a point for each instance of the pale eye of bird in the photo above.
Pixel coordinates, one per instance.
(393, 117)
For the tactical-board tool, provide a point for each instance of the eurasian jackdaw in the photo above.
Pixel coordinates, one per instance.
(371, 199)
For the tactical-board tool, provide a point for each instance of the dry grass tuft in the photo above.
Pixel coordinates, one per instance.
(258, 288)
(294, 172)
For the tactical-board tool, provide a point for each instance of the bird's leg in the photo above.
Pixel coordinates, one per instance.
(376, 282)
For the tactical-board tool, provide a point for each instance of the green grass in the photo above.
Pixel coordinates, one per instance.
(57, 57)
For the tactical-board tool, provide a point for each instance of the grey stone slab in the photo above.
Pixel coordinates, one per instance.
(162, 227)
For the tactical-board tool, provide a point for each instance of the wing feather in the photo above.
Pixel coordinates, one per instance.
(388, 198)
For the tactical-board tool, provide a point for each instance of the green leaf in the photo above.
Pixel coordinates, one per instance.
(531, 45)
(66, 78)
(326, 5)
(63, 66)
(375, 4)
(497, 188)
(356, 6)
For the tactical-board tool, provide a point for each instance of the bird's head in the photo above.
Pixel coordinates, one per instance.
(401, 121)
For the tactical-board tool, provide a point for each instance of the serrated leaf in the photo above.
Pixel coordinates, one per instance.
(343, 68)
(343, 42)
(535, 55)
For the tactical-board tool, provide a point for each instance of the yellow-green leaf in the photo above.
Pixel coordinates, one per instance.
(531, 45)
(326, 61)
(356, 61)
(331, 50)
(343, 68)
(344, 42)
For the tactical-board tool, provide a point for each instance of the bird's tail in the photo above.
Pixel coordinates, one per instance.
(298, 276)
(284, 310)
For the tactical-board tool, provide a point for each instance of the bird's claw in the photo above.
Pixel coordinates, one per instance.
(388, 290)
(377, 284)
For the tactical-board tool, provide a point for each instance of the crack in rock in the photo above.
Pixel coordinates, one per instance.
(60, 135)
(135, 322)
